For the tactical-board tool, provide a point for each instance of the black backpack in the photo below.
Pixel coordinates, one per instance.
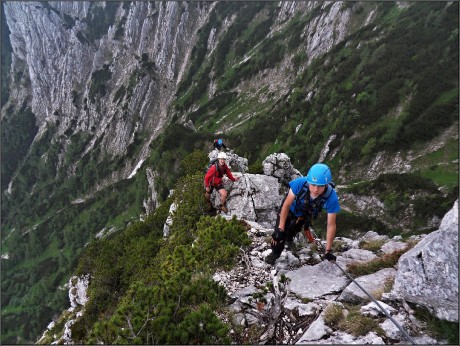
(212, 162)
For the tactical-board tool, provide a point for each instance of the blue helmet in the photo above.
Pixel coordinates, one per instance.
(219, 141)
(319, 174)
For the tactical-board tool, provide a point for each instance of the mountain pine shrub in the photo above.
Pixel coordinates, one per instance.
(218, 242)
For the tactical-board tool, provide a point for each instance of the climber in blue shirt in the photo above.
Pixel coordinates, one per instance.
(307, 196)
(219, 144)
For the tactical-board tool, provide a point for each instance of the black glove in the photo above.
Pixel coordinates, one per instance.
(330, 257)
(278, 235)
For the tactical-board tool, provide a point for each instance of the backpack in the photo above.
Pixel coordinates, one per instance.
(305, 194)
(210, 163)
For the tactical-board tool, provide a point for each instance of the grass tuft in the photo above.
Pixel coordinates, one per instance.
(386, 261)
(333, 314)
(371, 245)
(440, 329)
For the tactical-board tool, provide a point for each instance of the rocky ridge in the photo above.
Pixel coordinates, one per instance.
(288, 303)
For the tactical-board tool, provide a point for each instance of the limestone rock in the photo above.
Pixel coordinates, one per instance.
(77, 291)
(322, 279)
(279, 166)
(372, 283)
(428, 273)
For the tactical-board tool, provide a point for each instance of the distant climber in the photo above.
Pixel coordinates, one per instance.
(219, 144)
(304, 200)
(213, 180)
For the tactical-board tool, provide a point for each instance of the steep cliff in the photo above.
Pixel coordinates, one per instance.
(106, 69)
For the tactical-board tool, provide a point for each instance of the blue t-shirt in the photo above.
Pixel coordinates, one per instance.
(331, 205)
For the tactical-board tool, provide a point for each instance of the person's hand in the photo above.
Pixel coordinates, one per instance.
(208, 190)
(237, 178)
(329, 256)
(278, 236)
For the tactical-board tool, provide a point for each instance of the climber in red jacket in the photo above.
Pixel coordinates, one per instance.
(213, 180)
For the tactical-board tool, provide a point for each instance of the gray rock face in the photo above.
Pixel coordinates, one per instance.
(77, 291)
(279, 166)
(428, 273)
(254, 197)
(50, 49)
(372, 283)
(318, 280)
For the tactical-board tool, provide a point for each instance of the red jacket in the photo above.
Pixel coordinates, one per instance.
(213, 178)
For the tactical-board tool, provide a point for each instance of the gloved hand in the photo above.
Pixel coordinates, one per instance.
(330, 257)
(278, 235)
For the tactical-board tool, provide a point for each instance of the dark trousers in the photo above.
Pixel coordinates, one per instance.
(293, 226)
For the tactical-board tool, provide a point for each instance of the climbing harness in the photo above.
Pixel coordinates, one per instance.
(312, 207)
(317, 241)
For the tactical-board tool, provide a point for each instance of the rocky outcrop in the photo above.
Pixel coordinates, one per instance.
(77, 291)
(169, 219)
(254, 197)
(78, 298)
(287, 302)
(428, 273)
(279, 166)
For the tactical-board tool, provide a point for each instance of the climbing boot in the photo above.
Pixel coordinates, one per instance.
(290, 245)
(271, 258)
(207, 197)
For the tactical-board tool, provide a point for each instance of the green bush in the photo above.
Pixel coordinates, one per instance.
(218, 242)
(256, 168)
(195, 162)
(144, 298)
(202, 327)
